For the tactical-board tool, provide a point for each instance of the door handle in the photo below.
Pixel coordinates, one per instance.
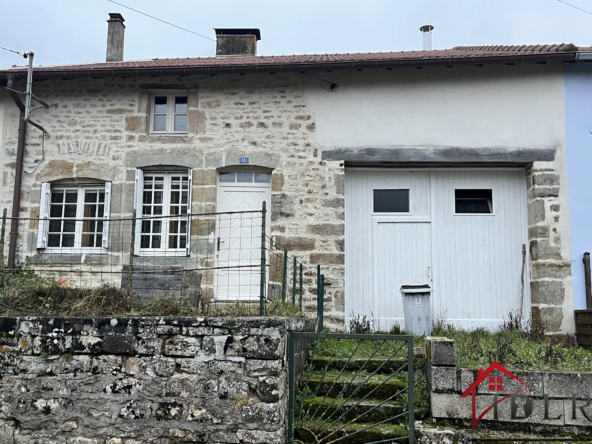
(429, 272)
(218, 244)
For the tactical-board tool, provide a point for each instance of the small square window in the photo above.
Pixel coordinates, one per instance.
(169, 114)
(473, 201)
(391, 201)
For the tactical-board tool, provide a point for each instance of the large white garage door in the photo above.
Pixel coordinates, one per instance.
(461, 232)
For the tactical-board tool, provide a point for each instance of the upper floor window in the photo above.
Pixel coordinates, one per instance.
(169, 114)
(163, 208)
(74, 218)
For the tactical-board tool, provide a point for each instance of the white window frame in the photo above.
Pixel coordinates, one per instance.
(170, 113)
(138, 203)
(44, 218)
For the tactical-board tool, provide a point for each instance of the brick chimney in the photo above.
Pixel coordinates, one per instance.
(237, 42)
(115, 34)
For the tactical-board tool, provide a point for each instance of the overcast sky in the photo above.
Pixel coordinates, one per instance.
(74, 31)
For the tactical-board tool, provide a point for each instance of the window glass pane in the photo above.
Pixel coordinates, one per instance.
(244, 177)
(473, 201)
(57, 197)
(69, 226)
(155, 241)
(157, 210)
(55, 211)
(55, 226)
(72, 196)
(68, 240)
(227, 177)
(391, 201)
(90, 196)
(69, 210)
(160, 104)
(262, 177)
(180, 104)
(158, 183)
(159, 122)
(181, 122)
(53, 240)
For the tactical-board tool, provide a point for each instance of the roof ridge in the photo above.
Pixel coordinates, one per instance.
(561, 47)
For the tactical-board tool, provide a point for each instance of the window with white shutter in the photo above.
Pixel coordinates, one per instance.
(74, 218)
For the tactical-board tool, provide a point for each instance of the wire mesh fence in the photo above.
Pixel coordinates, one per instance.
(209, 260)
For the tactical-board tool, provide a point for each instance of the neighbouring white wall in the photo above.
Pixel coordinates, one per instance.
(437, 106)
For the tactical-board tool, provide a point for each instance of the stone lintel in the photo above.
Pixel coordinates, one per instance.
(433, 154)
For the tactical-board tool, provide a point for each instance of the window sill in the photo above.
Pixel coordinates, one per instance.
(53, 250)
(162, 253)
(166, 137)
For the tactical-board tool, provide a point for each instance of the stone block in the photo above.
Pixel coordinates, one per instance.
(326, 229)
(257, 367)
(196, 122)
(542, 250)
(543, 192)
(441, 351)
(533, 381)
(536, 212)
(268, 389)
(136, 124)
(107, 364)
(203, 178)
(547, 292)
(56, 169)
(334, 202)
(564, 385)
(448, 405)
(149, 346)
(550, 270)
(443, 379)
(157, 367)
(203, 227)
(546, 179)
(538, 231)
(119, 345)
(182, 346)
(204, 194)
(327, 258)
(581, 415)
(277, 182)
(296, 243)
(258, 347)
(549, 318)
(87, 344)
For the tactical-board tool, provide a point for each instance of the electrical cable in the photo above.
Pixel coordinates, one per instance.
(10, 50)
(160, 20)
(42, 154)
(332, 85)
(575, 7)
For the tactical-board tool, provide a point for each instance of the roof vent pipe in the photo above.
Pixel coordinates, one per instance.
(427, 37)
(115, 34)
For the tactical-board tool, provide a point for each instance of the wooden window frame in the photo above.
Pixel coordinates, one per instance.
(170, 113)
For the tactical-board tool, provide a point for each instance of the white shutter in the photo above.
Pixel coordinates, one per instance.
(43, 215)
(189, 211)
(106, 214)
(138, 208)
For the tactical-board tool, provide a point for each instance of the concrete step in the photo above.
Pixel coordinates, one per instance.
(319, 409)
(352, 433)
(379, 386)
(368, 365)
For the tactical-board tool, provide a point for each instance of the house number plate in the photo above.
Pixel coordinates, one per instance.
(243, 160)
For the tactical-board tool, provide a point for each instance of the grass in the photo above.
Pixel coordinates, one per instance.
(23, 293)
(516, 350)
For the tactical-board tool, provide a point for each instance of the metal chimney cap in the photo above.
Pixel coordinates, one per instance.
(426, 28)
(238, 31)
(116, 16)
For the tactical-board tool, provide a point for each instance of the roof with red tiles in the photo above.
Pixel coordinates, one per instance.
(456, 55)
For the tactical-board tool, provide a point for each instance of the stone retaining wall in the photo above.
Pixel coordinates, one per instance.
(557, 401)
(138, 380)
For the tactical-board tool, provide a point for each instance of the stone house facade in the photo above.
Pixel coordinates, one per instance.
(307, 121)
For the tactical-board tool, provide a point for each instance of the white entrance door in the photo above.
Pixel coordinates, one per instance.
(403, 257)
(238, 235)
(387, 220)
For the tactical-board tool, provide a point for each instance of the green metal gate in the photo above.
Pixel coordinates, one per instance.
(350, 388)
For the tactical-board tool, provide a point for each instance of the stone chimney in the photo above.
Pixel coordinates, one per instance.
(115, 34)
(237, 42)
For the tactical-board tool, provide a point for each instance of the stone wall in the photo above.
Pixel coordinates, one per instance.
(99, 130)
(548, 401)
(138, 380)
(550, 264)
